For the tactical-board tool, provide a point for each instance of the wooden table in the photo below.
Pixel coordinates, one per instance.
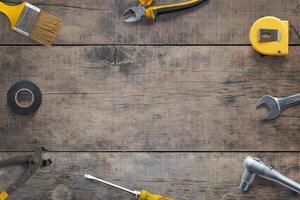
(168, 106)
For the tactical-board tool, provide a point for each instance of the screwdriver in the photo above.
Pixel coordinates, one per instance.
(140, 195)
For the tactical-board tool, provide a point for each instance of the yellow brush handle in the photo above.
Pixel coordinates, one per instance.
(3, 195)
(12, 12)
(145, 195)
(153, 12)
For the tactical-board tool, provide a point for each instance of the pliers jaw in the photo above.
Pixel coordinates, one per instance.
(32, 163)
(134, 14)
(38, 160)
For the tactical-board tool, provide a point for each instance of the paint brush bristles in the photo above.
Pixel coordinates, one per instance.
(45, 28)
(32, 22)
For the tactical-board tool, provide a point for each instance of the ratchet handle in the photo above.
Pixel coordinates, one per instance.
(145, 195)
(153, 12)
(3, 195)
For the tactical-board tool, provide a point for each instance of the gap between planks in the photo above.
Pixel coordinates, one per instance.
(163, 152)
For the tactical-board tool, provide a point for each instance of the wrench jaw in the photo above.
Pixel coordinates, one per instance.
(272, 104)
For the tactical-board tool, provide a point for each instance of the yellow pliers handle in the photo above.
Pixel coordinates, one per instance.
(144, 8)
(146, 2)
(153, 11)
(3, 195)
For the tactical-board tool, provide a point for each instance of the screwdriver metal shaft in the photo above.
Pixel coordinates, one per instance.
(141, 195)
(136, 193)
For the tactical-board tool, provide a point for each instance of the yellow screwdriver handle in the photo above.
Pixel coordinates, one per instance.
(3, 195)
(145, 195)
(12, 12)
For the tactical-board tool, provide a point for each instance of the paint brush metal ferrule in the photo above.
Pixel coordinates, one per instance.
(27, 19)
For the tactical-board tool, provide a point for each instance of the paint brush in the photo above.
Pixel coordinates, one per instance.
(32, 22)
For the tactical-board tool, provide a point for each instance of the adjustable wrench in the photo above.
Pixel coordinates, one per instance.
(276, 105)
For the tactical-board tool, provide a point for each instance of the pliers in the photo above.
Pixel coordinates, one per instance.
(144, 8)
(33, 163)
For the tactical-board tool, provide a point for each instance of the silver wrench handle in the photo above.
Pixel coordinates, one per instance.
(289, 101)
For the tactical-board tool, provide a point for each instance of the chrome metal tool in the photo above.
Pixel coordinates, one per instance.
(254, 166)
(276, 105)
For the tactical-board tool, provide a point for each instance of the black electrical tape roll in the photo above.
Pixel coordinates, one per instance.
(29, 87)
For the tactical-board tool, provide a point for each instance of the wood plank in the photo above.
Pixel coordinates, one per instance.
(150, 99)
(100, 22)
(185, 176)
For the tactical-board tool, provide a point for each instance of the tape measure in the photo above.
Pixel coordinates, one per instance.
(270, 36)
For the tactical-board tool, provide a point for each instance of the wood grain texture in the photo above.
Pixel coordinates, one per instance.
(101, 22)
(155, 90)
(186, 176)
(150, 99)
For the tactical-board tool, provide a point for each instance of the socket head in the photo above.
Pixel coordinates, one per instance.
(247, 179)
(251, 165)
(254, 166)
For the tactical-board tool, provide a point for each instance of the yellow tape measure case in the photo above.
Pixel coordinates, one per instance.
(270, 36)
